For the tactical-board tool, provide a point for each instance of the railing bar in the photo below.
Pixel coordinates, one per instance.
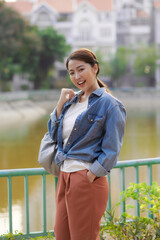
(122, 186)
(40, 171)
(44, 202)
(26, 202)
(137, 209)
(10, 203)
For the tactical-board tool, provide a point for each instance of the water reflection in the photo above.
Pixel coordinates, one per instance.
(19, 149)
(142, 136)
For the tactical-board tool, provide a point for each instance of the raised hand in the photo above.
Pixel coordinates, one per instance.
(66, 95)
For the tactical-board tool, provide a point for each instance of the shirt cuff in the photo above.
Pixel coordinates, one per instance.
(98, 169)
(53, 117)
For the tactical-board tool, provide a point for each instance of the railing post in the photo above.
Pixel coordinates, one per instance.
(10, 203)
(149, 181)
(56, 182)
(122, 186)
(149, 174)
(44, 202)
(137, 209)
(109, 197)
(26, 203)
(10, 173)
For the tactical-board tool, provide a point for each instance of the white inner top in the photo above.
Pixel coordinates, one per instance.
(68, 124)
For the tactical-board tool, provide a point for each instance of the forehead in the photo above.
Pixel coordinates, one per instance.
(73, 64)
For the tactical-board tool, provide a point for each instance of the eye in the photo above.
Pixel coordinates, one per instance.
(71, 73)
(81, 69)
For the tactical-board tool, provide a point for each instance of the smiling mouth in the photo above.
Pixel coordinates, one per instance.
(80, 83)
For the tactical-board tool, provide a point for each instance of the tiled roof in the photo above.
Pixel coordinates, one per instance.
(157, 4)
(24, 7)
(61, 6)
(100, 5)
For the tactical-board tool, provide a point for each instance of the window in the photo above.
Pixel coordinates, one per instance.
(105, 32)
(43, 20)
(85, 33)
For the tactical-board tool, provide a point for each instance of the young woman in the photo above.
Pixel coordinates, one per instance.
(88, 127)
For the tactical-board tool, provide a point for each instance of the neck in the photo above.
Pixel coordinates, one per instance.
(83, 97)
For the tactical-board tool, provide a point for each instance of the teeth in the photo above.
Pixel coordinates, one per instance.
(81, 82)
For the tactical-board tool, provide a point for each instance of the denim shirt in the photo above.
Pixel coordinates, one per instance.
(97, 134)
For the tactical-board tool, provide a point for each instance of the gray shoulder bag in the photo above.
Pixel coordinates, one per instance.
(47, 152)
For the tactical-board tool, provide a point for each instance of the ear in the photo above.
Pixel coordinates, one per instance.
(95, 68)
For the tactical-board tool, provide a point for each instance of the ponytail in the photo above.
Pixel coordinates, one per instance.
(102, 84)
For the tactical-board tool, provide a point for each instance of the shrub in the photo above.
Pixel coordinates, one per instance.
(136, 227)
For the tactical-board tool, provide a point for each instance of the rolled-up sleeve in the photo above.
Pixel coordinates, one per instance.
(112, 141)
(53, 125)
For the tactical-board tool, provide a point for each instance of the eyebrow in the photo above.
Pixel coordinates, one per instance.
(76, 67)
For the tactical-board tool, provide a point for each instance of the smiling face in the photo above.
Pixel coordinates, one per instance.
(83, 75)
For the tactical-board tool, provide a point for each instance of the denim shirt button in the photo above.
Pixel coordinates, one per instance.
(68, 142)
(75, 129)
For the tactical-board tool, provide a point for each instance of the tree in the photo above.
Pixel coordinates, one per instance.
(104, 64)
(12, 27)
(119, 63)
(25, 49)
(41, 61)
(145, 61)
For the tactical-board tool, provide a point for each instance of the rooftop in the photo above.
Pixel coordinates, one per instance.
(61, 6)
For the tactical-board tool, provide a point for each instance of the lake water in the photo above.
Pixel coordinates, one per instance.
(19, 149)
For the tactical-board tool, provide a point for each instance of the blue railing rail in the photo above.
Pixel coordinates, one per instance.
(122, 165)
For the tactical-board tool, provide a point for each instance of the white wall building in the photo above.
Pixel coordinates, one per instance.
(146, 5)
(133, 25)
(84, 23)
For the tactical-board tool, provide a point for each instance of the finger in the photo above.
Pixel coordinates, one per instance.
(67, 96)
(71, 94)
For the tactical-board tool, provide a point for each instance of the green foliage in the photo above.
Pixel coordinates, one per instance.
(40, 50)
(26, 49)
(12, 28)
(134, 227)
(104, 64)
(11, 236)
(145, 61)
(119, 62)
(17, 235)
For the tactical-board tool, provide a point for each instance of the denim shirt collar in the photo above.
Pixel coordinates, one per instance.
(98, 92)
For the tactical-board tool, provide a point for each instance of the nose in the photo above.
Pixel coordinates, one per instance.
(76, 75)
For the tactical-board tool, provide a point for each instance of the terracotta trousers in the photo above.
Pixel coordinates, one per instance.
(79, 206)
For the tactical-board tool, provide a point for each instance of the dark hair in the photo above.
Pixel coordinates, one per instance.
(87, 56)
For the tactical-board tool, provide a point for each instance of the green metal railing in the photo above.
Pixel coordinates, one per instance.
(10, 174)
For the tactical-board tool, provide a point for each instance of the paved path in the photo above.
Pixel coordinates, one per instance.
(28, 106)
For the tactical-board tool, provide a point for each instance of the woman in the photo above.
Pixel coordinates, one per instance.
(88, 127)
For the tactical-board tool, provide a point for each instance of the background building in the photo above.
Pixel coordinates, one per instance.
(84, 23)
(133, 25)
(101, 25)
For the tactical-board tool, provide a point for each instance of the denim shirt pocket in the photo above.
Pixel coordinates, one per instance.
(93, 118)
(95, 123)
